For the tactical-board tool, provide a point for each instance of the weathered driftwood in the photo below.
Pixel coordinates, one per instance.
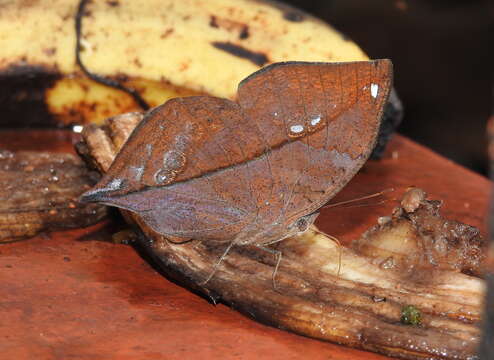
(323, 291)
(39, 191)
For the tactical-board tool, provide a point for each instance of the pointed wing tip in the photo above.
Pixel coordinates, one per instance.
(101, 193)
(94, 195)
(385, 63)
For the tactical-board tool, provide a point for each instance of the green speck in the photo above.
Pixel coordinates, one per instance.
(410, 315)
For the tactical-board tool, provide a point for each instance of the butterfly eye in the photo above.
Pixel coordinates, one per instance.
(302, 224)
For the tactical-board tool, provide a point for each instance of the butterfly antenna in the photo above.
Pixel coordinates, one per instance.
(340, 251)
(278, 261)
(366, 197)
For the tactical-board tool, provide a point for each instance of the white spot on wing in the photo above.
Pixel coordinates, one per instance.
(115, 184)
(374, 90)
(296, 129)
(138, 172)
(77, 128)
(149, 149)
(315, 120)
(341, 160)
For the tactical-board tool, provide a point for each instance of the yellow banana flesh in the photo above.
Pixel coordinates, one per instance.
(163, 48)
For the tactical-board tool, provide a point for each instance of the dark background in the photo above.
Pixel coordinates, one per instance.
(442, 55)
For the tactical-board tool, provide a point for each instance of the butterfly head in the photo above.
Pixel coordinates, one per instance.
(278, 231)
(302, 224)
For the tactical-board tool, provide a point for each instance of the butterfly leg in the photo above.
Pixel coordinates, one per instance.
(178, 240)
(337, 242)
(278, 256)
(217, 264)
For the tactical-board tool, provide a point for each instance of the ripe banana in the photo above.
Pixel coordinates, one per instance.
(161, 48)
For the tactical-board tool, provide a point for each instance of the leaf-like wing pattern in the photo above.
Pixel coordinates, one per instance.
(214, 169)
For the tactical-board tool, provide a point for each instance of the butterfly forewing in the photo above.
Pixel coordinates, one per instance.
(337, 110)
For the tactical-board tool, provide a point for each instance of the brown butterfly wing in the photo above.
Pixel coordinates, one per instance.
(183, 139)
(183, 169)
(208, 168)
(332, 114)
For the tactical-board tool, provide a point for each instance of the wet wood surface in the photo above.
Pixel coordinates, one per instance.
(75, 295)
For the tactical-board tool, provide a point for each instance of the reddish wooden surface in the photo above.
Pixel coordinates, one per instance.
(71, 295)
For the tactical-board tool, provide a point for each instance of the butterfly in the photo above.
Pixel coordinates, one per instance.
(255, 170)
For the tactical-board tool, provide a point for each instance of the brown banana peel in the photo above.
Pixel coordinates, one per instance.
(39, 191)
